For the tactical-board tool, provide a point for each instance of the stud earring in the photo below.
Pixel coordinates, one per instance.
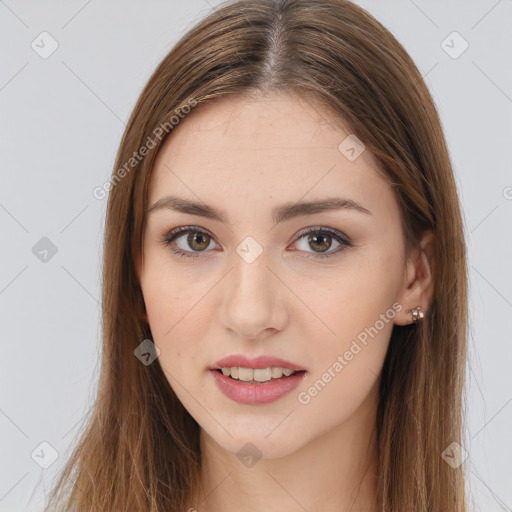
(416, 313)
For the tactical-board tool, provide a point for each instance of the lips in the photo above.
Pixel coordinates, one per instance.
(256, 362)
(248, 393)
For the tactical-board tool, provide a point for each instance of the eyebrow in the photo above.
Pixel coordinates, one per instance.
(279, 214)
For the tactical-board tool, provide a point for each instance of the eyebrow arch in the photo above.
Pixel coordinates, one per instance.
(279, 214)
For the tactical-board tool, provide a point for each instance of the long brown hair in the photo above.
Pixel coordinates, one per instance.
(139, 449)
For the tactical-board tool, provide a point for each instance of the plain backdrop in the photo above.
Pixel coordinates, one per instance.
(62, 116)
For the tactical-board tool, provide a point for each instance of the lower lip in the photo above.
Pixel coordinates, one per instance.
(253, 394)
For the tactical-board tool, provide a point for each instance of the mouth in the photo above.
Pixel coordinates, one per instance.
(256, 386)
(256, 380)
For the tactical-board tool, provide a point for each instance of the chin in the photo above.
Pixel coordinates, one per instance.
(260, 441)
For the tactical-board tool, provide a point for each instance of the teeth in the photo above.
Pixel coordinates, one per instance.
(277, 373)
(256, 374)
(245, 374)
(262, 374)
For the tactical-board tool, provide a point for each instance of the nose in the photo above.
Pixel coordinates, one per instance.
(253, 301)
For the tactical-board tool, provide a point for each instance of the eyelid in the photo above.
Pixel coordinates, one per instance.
(322, 229)
(344, 241)
(170, 236)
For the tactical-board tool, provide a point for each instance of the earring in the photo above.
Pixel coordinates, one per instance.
(416, 313)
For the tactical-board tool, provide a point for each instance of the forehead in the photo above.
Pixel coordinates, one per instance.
(255, 149)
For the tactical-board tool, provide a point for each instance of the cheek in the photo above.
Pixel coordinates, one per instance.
(345, 300)
(351, 333)
(176, 315)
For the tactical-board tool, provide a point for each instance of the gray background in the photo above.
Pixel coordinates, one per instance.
(61, 122)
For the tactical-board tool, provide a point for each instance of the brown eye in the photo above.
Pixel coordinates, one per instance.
(198, 241)
(190, 246)
(320, 241)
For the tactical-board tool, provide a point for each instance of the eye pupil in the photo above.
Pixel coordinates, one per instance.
(314, 238)
(192, 240)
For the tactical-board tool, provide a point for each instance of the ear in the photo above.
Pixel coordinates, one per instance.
(418, 284)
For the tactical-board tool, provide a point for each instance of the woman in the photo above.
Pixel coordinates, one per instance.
(284, 279)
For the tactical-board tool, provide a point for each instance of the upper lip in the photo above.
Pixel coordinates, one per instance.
(255, 362)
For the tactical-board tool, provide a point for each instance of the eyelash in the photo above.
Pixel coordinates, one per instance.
(171, 236)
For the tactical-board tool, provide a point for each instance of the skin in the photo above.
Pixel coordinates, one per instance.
(245, 156)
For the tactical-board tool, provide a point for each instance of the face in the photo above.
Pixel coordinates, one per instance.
(318, 288)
